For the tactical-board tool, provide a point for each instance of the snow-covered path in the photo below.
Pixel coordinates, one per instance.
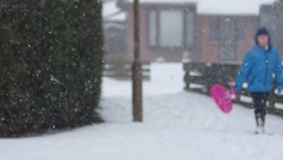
(178, 125)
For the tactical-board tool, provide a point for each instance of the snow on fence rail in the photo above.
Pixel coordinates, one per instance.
(200, 76)
(123, 71)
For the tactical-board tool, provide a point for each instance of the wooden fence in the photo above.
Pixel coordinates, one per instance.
(200, 76)
(123, 71)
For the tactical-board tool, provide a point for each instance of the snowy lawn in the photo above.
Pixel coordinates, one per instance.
(178, 125)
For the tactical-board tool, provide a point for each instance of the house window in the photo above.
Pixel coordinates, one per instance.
(219, 29)
(190, 26)
(227, 30)
(153, 28)
(171, 28)
(214, 33)
(240, 29)
(227, 39)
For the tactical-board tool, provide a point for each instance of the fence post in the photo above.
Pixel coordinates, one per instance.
(187, 75)
(137, 68)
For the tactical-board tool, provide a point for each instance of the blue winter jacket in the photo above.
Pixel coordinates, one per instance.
(259, 69)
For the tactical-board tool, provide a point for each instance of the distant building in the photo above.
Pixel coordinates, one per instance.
(114, 32)
(224, 38)
(271, 16)
(201, 31)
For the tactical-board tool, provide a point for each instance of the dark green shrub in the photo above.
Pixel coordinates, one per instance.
(50, 64)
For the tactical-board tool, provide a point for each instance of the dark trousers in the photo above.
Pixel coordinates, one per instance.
(259, 99)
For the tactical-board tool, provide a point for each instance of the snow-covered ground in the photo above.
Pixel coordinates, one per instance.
(178, 125)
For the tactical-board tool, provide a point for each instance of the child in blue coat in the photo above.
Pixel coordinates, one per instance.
(260, 65)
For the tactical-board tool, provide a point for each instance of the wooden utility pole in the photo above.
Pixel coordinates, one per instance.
(137, 68)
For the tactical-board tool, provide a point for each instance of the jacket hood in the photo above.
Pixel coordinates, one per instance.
(263, 31)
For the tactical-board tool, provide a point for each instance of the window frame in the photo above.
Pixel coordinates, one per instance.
(184, 40)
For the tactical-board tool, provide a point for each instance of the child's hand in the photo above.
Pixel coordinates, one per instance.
(238, 95)
(233, 94)
(279, 91)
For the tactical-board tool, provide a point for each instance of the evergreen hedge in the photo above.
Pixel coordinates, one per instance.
(50, 64)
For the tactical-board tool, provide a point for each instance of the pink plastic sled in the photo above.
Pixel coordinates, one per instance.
(222, 97)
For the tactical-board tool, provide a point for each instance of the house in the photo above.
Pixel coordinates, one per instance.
(198, 30)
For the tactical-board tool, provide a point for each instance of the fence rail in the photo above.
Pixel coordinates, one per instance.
(199, 77)
(123, 71)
